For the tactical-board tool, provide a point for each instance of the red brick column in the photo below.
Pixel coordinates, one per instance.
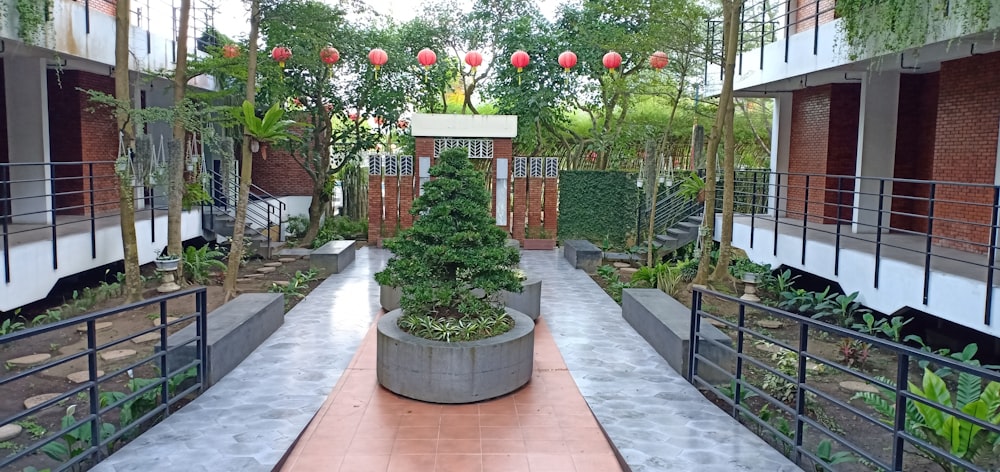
(551, 203)
(535, 181)
(407, 191)
(391, 203)
(519, 189)
(374, 199)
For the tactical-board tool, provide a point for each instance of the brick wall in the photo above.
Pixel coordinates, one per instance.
(915, 134)
(280, 174)
(965, 148)
(802, 14)
(824, 139)
(105, 6)
(77, 134)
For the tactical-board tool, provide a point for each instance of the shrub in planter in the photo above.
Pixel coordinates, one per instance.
(453, 247)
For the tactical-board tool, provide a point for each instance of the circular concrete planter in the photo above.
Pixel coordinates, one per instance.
(459, 372)
(388, 297)
(529, 301)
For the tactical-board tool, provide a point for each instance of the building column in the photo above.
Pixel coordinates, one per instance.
(781, 136)
(26, 90)
(876, 150)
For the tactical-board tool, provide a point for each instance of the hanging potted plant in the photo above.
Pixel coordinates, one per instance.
(263, 131)
(453, 341)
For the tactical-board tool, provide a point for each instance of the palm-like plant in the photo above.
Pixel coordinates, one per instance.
(267, 130)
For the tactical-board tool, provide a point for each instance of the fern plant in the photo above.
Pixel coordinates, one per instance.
(961, 438)
(199, 262)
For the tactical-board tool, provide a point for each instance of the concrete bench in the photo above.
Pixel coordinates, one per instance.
(666, 325)
(333, 257)
(234, 331)
(582, 254)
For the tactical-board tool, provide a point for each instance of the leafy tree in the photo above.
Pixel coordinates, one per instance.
(175, 192)
(126, 193)
(453, 247)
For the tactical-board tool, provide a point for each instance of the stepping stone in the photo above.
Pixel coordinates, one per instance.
(853, 386)
(170, 319)
(82, 376)
(28, 361)
(266, 270)
(254, 276)
(287, 259)
(101, 326)
(814, 366)
(9, 431)
(717, 323)
(294, 252)
(272, 264)
(117, 354)
(627, 273)
(243, 280)
(39, 399)
(148, 337)
(772, 348)
(770, 324)
(281, 283)
(621, 265)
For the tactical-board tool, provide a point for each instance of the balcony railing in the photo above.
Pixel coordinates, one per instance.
(925, 221)
(901, 427)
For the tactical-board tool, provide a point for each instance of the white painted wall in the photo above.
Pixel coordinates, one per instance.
(876, 155)
(951, 297)
(781, 138)
(28, 136)
(464, 126)
(31, 263)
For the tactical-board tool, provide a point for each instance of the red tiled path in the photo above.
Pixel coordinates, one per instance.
(545, 426)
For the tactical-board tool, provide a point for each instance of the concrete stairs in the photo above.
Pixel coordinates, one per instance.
(678, 235)
(222, 224)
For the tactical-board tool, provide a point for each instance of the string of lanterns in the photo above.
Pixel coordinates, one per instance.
(427, 58)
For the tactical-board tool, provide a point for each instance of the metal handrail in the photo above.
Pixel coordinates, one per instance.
(94, 384)
(839, 192)
(274, 210)
(896, 431)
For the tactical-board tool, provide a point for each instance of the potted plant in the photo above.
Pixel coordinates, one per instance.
(167, 262)
(453, 341)
(538, 239)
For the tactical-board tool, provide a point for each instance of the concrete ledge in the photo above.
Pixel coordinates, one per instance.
(234, 331)
(389, 297)
(666, 325)
(529, 301)
(458, 372)
(333, 257)
(582, 254)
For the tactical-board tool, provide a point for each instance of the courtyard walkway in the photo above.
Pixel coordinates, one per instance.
(586, 355)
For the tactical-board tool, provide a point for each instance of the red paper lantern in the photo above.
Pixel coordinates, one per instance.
(658, 60)
(230, 51)
(378, 58)
(402, 124)
(329, 55)
(473, 59)
(567, 60)
(612, 60)
(352, 117)
(426, 57)
(281, 54)
(520, 59)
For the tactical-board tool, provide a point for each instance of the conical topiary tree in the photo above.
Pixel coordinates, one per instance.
(453, 248)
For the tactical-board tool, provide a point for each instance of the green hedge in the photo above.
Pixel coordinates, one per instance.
(594, 205)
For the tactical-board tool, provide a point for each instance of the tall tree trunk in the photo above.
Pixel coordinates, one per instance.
(175, 169)
(239, 226)
(317, 204)
(721, 273)
(706, 232)
(126, 188)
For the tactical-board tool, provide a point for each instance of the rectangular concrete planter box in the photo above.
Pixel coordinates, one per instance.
(332, 257)
(666, 325)
(539, 244)
(582, 254)
(234, 331)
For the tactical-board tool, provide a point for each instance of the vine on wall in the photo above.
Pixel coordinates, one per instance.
(873, 28)
(34, 16)
(597, 205)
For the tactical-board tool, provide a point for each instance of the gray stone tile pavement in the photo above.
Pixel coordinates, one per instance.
(247, 421)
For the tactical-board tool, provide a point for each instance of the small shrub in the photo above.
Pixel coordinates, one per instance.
(854, 352)
(199, 262)
(340, 227)
(296, 226)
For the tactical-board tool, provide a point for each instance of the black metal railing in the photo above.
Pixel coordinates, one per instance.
(263, 211)
(46, 196)
(899, 427)
(762, 22)
(96, 431)
(941, 221)
(671, 207)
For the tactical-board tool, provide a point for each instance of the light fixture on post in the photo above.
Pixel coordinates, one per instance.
(750, 287)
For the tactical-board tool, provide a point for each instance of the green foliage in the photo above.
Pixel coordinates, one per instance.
(891, 328)
(296, 226)
(33, 15)
(645, 277)
(730, 392)
(831, 307)
(888, 26)
(77, 440)
(456, 329)
(960, 438)
(596, 204)
(854, 352)
(33, 428)
(824, 451)
(340, 227)
(194, 194)
(270, 129)
(138, 407)
(10, 326)
(669, 277)
(453, 247)
(296, 287)
(742, 265)
(200, 262)
(691, 186)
